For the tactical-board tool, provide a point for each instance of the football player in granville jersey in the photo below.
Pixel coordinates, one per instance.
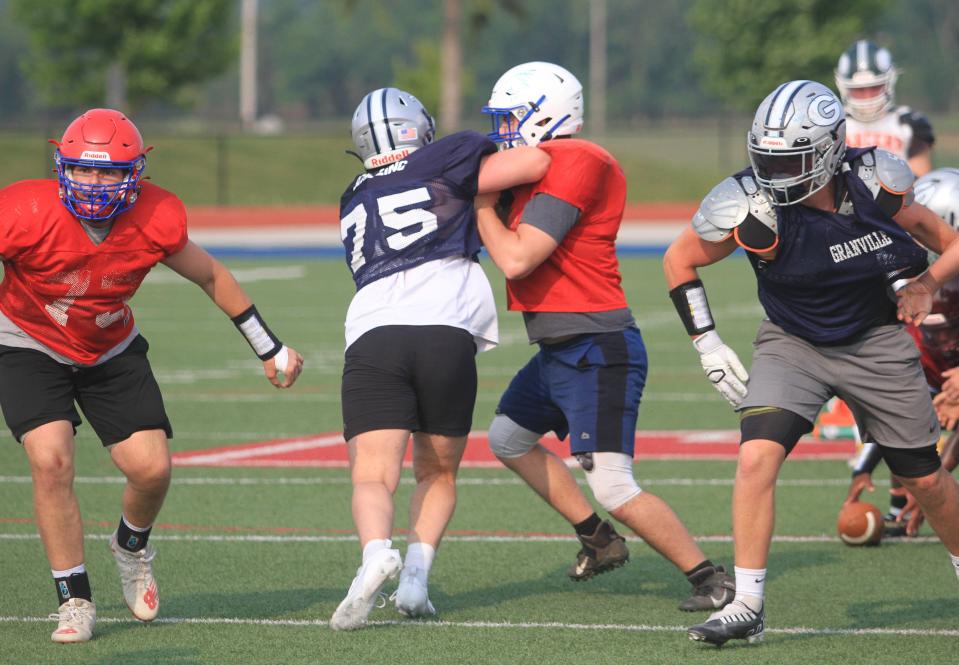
(827, 232)
(557, 249)
(938, 341)
(866, 80)
(74, 251)
(423, 308)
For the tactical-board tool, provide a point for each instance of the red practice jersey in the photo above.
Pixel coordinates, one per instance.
(582, 275)
(63, 290)
(933, 362)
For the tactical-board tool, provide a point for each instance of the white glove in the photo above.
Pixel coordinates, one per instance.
(722, 367)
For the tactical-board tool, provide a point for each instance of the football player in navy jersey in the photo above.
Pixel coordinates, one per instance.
(422, 310)
(866, 80)
(827, 230)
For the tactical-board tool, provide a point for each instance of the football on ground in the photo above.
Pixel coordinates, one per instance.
(860, 523)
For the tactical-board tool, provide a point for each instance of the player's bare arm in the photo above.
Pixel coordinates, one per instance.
(921, 163)
(926, 226)
(689, 252)
(516, 253)
(915, 299)
(509, 168)
(196, 265)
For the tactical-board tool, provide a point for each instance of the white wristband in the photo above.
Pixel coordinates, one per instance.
(281, 358)
(707, 342)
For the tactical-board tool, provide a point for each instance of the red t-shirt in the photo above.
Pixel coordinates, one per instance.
(63, 290)
(582, 274)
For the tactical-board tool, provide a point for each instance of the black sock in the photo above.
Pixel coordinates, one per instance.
(897, 502)
(130, 540)
(76, 585)
(699, 574)
(588, 526)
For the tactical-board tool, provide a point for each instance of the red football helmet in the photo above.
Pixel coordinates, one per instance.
(940, 329)
(100, 138)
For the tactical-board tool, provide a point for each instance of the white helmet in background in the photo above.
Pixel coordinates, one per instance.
(388, 125)
(939, 191)
(797, 141)
(866, 66)
(534, 102)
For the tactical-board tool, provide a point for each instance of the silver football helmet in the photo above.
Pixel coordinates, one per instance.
(797, 141)
(939, 191)
(388, 125)
(534, 102)
(866, 80)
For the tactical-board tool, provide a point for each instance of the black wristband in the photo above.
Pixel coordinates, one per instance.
(261, 339)
(867, 460)
(690, 301)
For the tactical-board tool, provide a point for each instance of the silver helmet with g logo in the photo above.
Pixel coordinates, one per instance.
(797, 140)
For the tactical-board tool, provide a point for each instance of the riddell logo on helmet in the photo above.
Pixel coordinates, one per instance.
(772, 142)
(90, 154)
(389, 159)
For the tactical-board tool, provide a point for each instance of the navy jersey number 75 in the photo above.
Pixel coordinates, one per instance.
(415, 210)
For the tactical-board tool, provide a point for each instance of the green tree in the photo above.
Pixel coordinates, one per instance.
(142, 51)
(744, 48)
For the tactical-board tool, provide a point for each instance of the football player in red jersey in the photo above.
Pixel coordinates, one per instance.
(74, 251)
(557, 250)
(937, 339)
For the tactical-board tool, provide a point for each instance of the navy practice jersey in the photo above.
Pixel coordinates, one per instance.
(828, 282)
(415, 210)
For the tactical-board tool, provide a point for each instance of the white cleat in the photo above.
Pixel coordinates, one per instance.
(136, 576)
(412, 598)
(77, 618)
(364, 591)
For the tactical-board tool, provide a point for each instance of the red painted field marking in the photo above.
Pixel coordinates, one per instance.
(329, 450)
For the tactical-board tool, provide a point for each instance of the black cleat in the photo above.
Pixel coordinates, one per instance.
(734, 622)
(893, 529)
(603, 551)
(713, 593)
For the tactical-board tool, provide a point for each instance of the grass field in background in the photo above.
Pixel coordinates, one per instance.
(670, 163)
(252, 562)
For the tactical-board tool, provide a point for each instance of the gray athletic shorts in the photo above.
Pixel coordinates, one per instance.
(878, 376)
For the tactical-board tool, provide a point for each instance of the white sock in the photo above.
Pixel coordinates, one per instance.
(76, 570)
(420, 555)
(375, 546)
(750, 583)
(955, 562)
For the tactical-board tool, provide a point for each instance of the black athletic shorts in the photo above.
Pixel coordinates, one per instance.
(118, 397)
(420, 378)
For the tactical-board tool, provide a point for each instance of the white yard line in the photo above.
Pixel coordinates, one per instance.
(507, 625)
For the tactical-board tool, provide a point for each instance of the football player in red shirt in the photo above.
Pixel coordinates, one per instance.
(558, 252)
(74, 252)
(937, 339)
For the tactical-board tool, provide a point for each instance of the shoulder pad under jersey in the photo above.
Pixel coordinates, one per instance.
(737, 205)
(883, 170)
(888, 177)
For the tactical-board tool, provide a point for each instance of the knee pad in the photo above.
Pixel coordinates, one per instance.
(611, 479)
(774, 424)
(507, 439)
